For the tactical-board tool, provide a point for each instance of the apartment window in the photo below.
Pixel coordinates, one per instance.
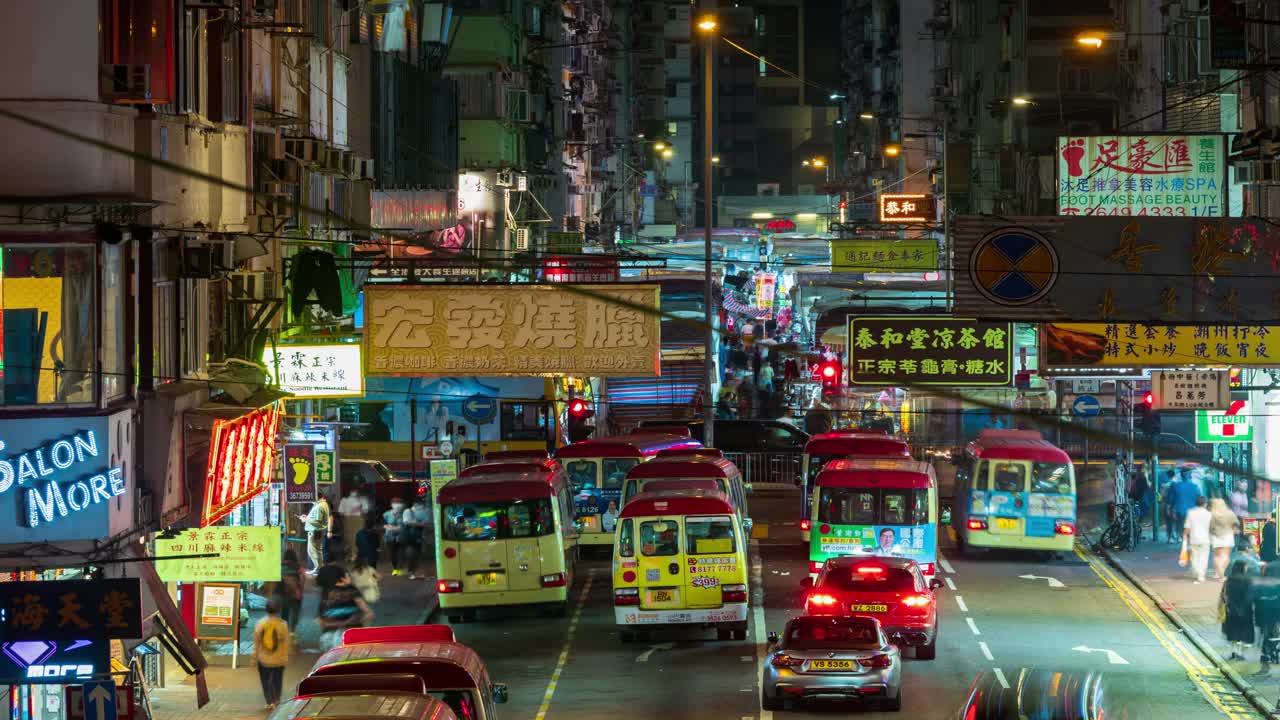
(671, 51)
(779, 96)
(671, 88)
(115, 359)
(122, 45)
(672, 129)
(165, 353)
(195, 326)
(671, 14)
(50, 323)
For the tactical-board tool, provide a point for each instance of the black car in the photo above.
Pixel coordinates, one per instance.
(743, 436)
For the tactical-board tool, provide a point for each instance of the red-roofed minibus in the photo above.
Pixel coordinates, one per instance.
(666, 468)
(505, 536)
(680, 560)
(825, 447)
(597, 468)
(1015, 490)
(506, 455)
(450, 671)
(875, 506)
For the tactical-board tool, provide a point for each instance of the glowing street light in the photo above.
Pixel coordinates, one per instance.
(715, 159)
(659, 146)
(866, 116)
(668, 153)
(892, 150)
(708, 23)
(1021, 101)
(1093, 41)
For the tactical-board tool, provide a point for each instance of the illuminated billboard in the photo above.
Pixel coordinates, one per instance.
(241, 459)
(1143, 175)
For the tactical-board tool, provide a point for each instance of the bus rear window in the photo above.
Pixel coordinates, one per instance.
(659, 538)
(1050, 478)
(614, 471)
(582, 475)
(709, 535)
(1008, 477)
(873, 506)
(464, 522)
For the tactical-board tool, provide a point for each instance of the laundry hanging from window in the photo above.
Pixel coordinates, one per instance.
(315, 271)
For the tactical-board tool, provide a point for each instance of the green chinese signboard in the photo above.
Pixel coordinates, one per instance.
(884, 255)
(913, 350)
(1233, 425)
(326, 466)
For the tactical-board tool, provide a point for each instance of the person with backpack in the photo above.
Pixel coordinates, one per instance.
(271, 641)
(288, 592)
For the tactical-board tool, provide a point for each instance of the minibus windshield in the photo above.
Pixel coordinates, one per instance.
(497, 520)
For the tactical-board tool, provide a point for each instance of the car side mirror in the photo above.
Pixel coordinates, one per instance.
(500, 693)
(747, 525)
(936, 583)
(773, 638)
(806, 583)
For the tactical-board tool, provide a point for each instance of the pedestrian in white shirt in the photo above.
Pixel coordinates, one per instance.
(353, 509)
(1196, 539)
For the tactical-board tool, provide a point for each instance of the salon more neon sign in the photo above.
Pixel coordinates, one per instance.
(48, 498)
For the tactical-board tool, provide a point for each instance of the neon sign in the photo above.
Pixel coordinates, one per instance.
(780, 225)
(56, 499)
(241, 453)
(59, 671)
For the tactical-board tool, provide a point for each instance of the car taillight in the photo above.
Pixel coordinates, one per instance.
(870, 570)
(815, 567)
(916, 601)
(554, 580)
(977, 524)
(875, 661)
(733, 593)
(804, 524)
(819, 602)
(626, 596)
(928, 568)
(1066, 528)
(786, 661)
(449, 586)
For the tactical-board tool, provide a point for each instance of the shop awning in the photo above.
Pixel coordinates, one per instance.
(175, 635)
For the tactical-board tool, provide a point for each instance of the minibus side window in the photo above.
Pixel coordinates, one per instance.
(626, 539)
(659, 538)
(709, 535)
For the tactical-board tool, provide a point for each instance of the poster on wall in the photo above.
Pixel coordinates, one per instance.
(480, 330)
(299, 473)
(243, 554)
(217, 611)
(1143, 175)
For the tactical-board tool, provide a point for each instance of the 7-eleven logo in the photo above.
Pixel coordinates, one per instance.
(1229, 428)
(1232, 425)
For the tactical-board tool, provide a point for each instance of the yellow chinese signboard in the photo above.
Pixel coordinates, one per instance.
(884, 255)
(478, 330)
(1093, 345)
(244, 554)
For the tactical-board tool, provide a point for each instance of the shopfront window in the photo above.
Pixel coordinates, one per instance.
(49, 320)
(114, 344)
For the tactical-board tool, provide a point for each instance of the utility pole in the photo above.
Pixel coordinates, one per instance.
(708, 25)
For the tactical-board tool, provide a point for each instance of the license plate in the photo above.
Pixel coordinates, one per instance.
(1006, 523)
(830, 665)
(869, 607)
(487, 579)
(662, 596)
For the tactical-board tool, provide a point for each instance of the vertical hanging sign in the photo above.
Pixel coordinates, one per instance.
(300, 472)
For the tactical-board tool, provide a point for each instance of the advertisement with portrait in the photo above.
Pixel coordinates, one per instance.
(480, 209)
(413, 226)
(915, 542)
(483, 330)
(60, 478)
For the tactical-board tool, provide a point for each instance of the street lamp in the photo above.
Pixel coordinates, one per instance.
(866, 116)
(707, 25)
(715, 159)
(667, 153)
(893, 150)
(659, 146)
(1022, 101)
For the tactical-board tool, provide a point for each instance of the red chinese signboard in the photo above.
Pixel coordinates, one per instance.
(907, 208)
(780, 225)
(581, 269)
(1143, 175)
(241, 457)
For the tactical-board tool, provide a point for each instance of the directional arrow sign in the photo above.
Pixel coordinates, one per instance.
(1112, 655)
(1053, 582)
(644, 656)
(1086, 406)
(100, 701)
(479, 409)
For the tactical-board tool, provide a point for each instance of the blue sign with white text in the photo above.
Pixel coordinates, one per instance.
(480, 409)
(57, 479)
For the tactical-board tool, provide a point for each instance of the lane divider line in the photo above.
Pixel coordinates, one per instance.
(950, 583)
(973, 626)
(758, 631)
(986, 651)
(946, 565)
(1000, 676)
(960, 602)
(564, 652)
(1196, 668)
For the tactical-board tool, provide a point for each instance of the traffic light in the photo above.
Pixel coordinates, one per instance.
(1146, 417)
(579, 411)
(831, 374)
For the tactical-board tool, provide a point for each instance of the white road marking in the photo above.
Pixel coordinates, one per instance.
(973, 626)
(986, 651)
(644, 656)
(564, 652)
(1112, 656)
(946, 565)
(757, 619)
(746, 658)
(960, 602)
(950, 583)
(1053, 582)
(1000, 676)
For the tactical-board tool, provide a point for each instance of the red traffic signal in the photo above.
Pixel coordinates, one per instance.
(578, 408)
(828, 371)
(1149, 400)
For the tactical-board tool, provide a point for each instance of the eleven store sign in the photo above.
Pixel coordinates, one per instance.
(1235, 425)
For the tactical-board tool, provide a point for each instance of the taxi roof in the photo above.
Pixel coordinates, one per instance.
(398, 633)
(441, 665)
(501, 486)
(685, 468)
(1017, 445)
(401, 706)
(702, 452)
(678, 502)
(877, 472)
(857, 443)
(627, 446)
(535, 455)
(490, 467)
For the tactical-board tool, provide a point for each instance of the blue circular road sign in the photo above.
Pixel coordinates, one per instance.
(1086, 406)
(480, 409)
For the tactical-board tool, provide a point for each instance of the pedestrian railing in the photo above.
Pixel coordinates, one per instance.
(767, 469)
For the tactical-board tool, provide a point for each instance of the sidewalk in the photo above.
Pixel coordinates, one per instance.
(1155, 565)
(236, 694)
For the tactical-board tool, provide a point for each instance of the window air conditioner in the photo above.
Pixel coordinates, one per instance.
(307, 151)
(251, 285)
